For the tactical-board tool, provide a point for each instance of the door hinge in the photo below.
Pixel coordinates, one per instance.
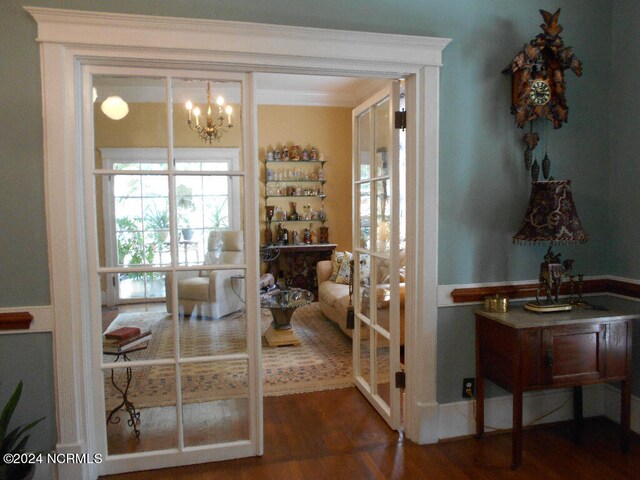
(113, 280)
(401, 380)
(401, 119)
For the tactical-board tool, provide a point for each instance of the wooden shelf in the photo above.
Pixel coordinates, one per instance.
(296, 181)
(321, 162)
(298, 221)
(302, 247)
(323, 196)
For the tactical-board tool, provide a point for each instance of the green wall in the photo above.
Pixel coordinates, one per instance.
(27, 357)
(624, 173)
(483, 186)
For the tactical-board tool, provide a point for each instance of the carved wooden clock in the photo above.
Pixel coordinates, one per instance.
(538, 86)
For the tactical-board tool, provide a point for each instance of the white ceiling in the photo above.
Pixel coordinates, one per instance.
(287, 89)
(272, 89)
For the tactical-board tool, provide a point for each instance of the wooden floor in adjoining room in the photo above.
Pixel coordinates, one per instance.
(337, 435)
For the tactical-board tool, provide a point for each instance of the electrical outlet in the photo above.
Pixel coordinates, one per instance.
(468, 387)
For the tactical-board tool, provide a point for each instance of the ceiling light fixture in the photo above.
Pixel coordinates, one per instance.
(214, 128)
(115, 108)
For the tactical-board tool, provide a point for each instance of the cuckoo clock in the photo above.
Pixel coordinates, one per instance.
(538, 88)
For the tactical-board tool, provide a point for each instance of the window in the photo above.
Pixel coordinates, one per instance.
(136, 218)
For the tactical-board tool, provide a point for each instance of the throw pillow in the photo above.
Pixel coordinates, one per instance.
(364, 271)
(336, 262)
(209, 259)
(344, 272)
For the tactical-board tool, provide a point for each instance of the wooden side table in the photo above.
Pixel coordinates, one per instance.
(522, 351)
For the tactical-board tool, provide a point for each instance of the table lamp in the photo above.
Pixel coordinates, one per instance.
(551, 216)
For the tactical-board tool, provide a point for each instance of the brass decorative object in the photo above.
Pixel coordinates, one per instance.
(496, 303)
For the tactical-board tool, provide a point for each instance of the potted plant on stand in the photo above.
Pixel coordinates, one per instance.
(14, 442)
(185, 206)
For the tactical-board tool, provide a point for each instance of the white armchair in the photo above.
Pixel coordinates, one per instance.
(213, 293)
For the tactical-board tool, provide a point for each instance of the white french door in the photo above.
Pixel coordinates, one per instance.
(190, 390)
(376, 247)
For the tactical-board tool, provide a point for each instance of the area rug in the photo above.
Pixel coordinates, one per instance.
(323, 361)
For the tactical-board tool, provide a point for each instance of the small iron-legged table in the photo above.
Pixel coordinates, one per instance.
(125, 404)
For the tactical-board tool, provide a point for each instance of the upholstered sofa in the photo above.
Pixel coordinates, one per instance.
(333, 299)
(213, 293)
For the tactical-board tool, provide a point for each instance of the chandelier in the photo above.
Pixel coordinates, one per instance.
(214, 127)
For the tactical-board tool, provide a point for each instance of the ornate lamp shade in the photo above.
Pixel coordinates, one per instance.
(551, 216)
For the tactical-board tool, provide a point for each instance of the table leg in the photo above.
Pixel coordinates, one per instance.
(625, 414)
(518, 389)
(134, 415)
(577, 414)
(479, 405)
(479, 385)
(517, 426)
(280, 333)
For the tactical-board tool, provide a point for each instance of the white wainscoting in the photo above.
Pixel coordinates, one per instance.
(458, 419)
(612, 407)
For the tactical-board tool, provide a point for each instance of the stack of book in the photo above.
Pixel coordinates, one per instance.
(125, 339)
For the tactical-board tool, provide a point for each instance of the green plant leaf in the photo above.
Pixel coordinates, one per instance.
(15, 435)
(8, 441)
(9, 408)
(16, 440)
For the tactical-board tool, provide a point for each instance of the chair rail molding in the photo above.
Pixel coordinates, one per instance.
(456, 295)
(42, 319)
(70, 40)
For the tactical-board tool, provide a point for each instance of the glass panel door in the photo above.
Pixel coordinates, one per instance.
(376, 339)
(179, 377)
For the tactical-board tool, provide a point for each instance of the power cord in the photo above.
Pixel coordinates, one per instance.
(469, 392)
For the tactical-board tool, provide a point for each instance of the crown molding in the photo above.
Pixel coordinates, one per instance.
(73, 27)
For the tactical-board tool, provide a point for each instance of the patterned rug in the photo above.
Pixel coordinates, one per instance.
(321, 362)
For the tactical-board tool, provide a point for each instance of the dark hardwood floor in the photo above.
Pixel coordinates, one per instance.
(336, 435)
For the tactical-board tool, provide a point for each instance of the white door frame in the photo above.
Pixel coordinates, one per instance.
(70, 38)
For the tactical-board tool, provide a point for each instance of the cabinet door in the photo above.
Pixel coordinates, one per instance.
(618, 355)
(574, 353)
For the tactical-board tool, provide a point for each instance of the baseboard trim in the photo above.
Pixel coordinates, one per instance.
(428, 424)
(45, 471)
(458, 419)
(65, 470)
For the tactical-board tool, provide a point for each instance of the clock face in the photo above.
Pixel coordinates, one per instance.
(540, 93)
